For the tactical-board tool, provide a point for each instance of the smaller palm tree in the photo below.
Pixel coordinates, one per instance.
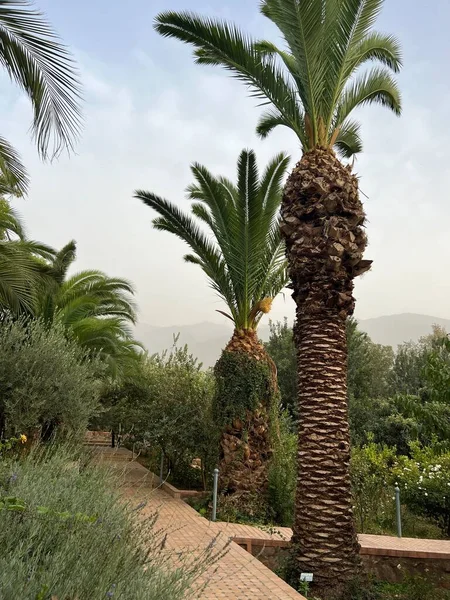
(233, 234)
(96, 309)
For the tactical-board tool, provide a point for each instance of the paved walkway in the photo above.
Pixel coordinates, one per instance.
(236, 575)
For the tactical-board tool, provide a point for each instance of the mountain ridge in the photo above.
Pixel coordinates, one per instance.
(206, 339)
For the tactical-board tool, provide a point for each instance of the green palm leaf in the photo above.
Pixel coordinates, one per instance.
(308, 80)
(13, 178)
(233, 233)
(23, 270)
(35, 59)
(96, 310)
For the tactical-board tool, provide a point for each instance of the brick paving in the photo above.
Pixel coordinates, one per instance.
(237, 574)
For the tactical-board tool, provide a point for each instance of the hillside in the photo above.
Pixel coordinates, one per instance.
(393, 330)
(206, 340)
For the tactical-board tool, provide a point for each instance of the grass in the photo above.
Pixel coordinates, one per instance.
(66, 535)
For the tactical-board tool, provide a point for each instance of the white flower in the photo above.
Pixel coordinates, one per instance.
(426, 494)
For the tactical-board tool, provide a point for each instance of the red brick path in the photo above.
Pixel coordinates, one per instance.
(238, 575)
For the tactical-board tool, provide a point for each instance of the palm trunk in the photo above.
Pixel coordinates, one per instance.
(322, 221)
(324, 534)
(246, 393)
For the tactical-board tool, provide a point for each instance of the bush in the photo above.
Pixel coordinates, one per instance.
(424, 480)
(45, 380)
(374, 472)
(64, 533)
(168, 407)
(283, 473)
(371, 472)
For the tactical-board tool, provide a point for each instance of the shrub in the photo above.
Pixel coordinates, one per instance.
(44, 379)
(68, 535)
(424, 480)
(371, 472)
(168, 407)
(283, 473)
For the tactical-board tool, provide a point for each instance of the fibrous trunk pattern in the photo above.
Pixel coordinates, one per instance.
(322, 224)
(246, 378)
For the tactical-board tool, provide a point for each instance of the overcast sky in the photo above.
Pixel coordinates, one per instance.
(150, 112)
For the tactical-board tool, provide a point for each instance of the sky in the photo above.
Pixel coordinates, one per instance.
(150, 112)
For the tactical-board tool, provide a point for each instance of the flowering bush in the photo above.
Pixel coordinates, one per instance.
(424, 481)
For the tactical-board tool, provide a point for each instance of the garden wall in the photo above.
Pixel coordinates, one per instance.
(386, 564)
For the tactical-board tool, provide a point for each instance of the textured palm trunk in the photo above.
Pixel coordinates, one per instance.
(246, 375)
(322, 223)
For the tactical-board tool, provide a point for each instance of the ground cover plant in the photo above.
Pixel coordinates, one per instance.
(65, 534)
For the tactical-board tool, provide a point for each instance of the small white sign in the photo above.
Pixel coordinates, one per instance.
(306, 577)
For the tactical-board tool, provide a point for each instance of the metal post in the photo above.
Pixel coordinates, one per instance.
(216, 480)
(161, 467)
(398, 511)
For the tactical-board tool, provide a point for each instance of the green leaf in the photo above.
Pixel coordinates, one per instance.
(241, 251)
(35, 59)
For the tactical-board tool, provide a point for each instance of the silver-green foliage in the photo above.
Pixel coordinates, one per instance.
(76, 538)
(44, 378)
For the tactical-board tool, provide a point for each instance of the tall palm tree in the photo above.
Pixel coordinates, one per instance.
(22, 264)
(313, 82)
(33, 57)
(233, 234)
(95, 309)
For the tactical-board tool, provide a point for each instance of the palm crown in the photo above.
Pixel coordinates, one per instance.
(315, 80)
(95, 309)
(243, 256)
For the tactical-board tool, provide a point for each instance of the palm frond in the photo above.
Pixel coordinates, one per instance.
(62, 261)
(307, 81)
(375, 47)
(245, 247)
(273, 118)
(172, 219)
(301, 24)
(348, 141)
(14, 178)
(376, 86)
(34, 58)
(218, 43)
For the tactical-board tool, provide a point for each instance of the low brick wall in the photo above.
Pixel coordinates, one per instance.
(386, 565)
(394, 568)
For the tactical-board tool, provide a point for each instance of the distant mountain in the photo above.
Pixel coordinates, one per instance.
(206, 340)
(393, 330)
